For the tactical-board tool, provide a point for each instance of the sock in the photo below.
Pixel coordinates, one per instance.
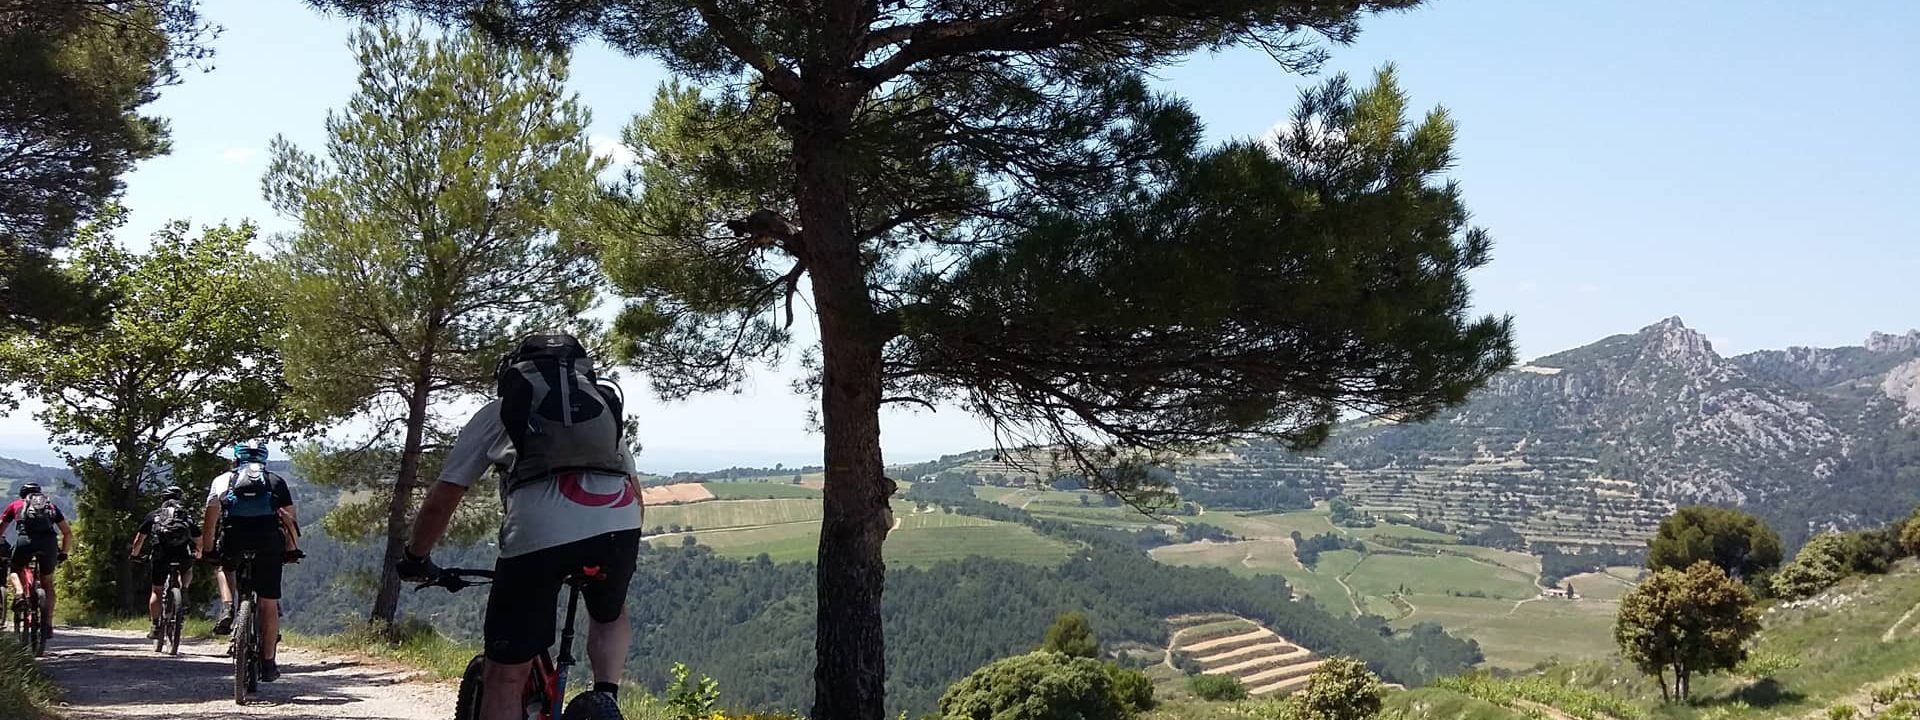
(607, 687)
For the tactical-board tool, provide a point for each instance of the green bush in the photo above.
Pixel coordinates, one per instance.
(1036, 686)
(1133, 689)
(1820, 564)
(1216, 687)
(1340, 689)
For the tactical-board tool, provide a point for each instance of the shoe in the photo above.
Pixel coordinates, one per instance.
(153, 633)
(269, 671)
(223, 626)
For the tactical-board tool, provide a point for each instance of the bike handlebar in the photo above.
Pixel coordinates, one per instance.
(457, 579)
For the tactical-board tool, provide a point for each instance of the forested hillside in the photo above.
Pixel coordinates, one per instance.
(749, 623)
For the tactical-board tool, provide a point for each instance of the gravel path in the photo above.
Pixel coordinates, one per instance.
(112, 674)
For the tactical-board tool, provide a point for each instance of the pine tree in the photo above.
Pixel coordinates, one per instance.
(986, 204)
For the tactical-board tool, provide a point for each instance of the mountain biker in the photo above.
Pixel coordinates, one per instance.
(571, 500)
(40, 523)
(174, 531)
(252, 509)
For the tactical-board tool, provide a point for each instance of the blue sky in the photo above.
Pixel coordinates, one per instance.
(1748, 166)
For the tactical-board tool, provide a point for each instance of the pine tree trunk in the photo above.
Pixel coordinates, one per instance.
(850, 665)
(386, 603)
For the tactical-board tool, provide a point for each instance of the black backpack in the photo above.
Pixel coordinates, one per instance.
(171, 528)
(39, 517)
(557, 412)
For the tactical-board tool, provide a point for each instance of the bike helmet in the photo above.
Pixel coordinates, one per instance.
(251, 451)
(172, 492)
(29, 489)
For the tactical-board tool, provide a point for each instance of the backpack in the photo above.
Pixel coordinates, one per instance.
(171, 527)
(558, 414)
(39, 517)
(250, 494)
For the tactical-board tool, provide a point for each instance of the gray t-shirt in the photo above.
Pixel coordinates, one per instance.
(540, 515)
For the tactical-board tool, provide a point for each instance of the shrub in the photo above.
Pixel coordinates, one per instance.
(1036, 686)
(1820, 564)
(1340, 689)
(1132, 689)
(690, 699)
(1216, 687)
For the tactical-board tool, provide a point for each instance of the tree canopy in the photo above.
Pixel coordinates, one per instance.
(434, 231)
(1071, 635)
(186, 361)
(1688, 622)
(74, 75)
(1740, 543)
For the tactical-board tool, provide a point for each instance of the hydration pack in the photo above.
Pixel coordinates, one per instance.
(250, 495)
(556, 411)
(39, 516)
(170, 526)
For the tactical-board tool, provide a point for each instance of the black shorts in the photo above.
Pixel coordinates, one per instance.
(45, 549)
(526, 589)
(270, 557)
(164, 560)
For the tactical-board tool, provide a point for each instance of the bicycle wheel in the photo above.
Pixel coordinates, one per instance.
(467, 706)
(174, 619)
(592, 706)
(242, 650)
(42, 625)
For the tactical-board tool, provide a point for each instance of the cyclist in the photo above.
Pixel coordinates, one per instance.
(44, 536)
(252, 509)
(571, 501)
(174, 531)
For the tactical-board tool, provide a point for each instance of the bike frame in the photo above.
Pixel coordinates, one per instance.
(548, 676)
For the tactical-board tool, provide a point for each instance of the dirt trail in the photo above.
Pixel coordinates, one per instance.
(108, 674)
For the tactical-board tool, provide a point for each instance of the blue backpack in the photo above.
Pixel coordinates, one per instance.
(250, 495)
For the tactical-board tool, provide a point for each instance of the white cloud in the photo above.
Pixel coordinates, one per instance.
(611, 148)
(1588, 289)
(238, 155)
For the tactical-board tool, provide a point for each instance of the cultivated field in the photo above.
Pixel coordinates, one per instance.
(742, 522)
(1265, 663)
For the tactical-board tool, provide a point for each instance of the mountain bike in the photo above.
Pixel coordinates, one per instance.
(547, 684)
(172, 606)
(245, 647)
(30, 619)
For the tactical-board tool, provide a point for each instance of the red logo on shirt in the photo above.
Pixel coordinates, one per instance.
(570, 489)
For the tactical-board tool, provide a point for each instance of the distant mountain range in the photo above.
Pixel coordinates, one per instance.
(1597, 443)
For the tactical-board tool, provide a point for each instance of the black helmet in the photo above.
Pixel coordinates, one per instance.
(172, 492)
(29, 489)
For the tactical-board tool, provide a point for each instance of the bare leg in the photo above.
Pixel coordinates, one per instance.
(505, 691)
(153, 604)
(269, 628)
(607, 647)
(224, 578)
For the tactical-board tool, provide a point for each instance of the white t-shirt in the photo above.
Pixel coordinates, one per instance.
(540, 515)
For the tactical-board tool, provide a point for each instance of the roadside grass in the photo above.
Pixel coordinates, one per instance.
(25, 691)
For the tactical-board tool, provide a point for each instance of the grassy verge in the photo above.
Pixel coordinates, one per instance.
(25, 692)
(446, 659)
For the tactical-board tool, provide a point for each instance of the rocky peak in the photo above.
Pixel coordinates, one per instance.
(1885, 343)
(1671, 339)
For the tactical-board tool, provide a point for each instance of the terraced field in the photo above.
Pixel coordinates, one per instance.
(1265, 663)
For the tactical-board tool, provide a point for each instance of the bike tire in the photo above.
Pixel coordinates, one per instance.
(242, 651)
(592, 706)
(43, 625)
(467, 707)
(174, 620)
